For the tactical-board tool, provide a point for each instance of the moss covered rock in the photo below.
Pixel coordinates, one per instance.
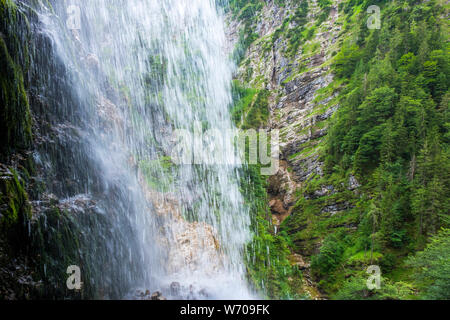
(15, 118)
(15, 209)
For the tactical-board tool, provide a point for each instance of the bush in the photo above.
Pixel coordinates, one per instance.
(432, 267)
(329, 257)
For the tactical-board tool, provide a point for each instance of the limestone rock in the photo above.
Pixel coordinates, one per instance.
(157, 296)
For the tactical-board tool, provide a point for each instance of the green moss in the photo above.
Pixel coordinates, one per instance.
(243, 98)
(55, 242)
(16, 208)
(258, 113)
(268, 265)
(15, 118)
(159, 174)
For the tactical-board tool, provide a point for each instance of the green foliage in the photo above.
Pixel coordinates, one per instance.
(296, 34)
(268, 265)
(15, 118)
(251, 107)
(258, 114)
(243, 98)
(391, 132)
(245, 9)
(246, 38)
(392, 99)
(156, 77)
(346, 60)
(329, 257)
(159, 174)
(247, 12)
(432, 266)
(356, 289)
(325, 8)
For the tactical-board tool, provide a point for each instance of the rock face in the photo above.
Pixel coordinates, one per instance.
(157, 296)
(297, 107)
(193, 247)
(45, 177)
(191, 244)
(303, 99)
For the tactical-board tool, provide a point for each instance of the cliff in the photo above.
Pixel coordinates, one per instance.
(321, 66)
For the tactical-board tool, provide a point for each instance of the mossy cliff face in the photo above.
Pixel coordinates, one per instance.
(48, 223)
(16, 211)
(15, 120)
(39, 237)
(17, 278)
(15, 125)
(326, 73)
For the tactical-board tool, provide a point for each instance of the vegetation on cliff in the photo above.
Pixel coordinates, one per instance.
(386, 153)
(374, 171)
(391, 130)
(15, 118)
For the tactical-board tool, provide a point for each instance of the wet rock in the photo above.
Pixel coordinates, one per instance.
(277, 207)
(353, 183)
(300, 262)
(191, 245)
(204, 294)
(157, 296)
(93, 62)
(110, 114)
(146, 295)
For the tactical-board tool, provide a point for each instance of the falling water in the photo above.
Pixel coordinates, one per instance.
(137, 70)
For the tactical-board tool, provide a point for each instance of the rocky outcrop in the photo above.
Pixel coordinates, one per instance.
(298, 108)
(189, 242)
(191, 246)
(303, 99)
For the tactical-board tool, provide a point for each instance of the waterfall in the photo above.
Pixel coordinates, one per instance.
(134, 72)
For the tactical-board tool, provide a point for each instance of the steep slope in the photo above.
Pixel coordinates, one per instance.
(341, 198)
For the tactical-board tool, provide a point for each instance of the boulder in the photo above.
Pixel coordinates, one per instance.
(157, 296)
(277, 207)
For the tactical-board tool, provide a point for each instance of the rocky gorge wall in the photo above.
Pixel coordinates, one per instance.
(40, 216)
(292, 51)
(38, 235)
(67, 201)
(298, 77)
